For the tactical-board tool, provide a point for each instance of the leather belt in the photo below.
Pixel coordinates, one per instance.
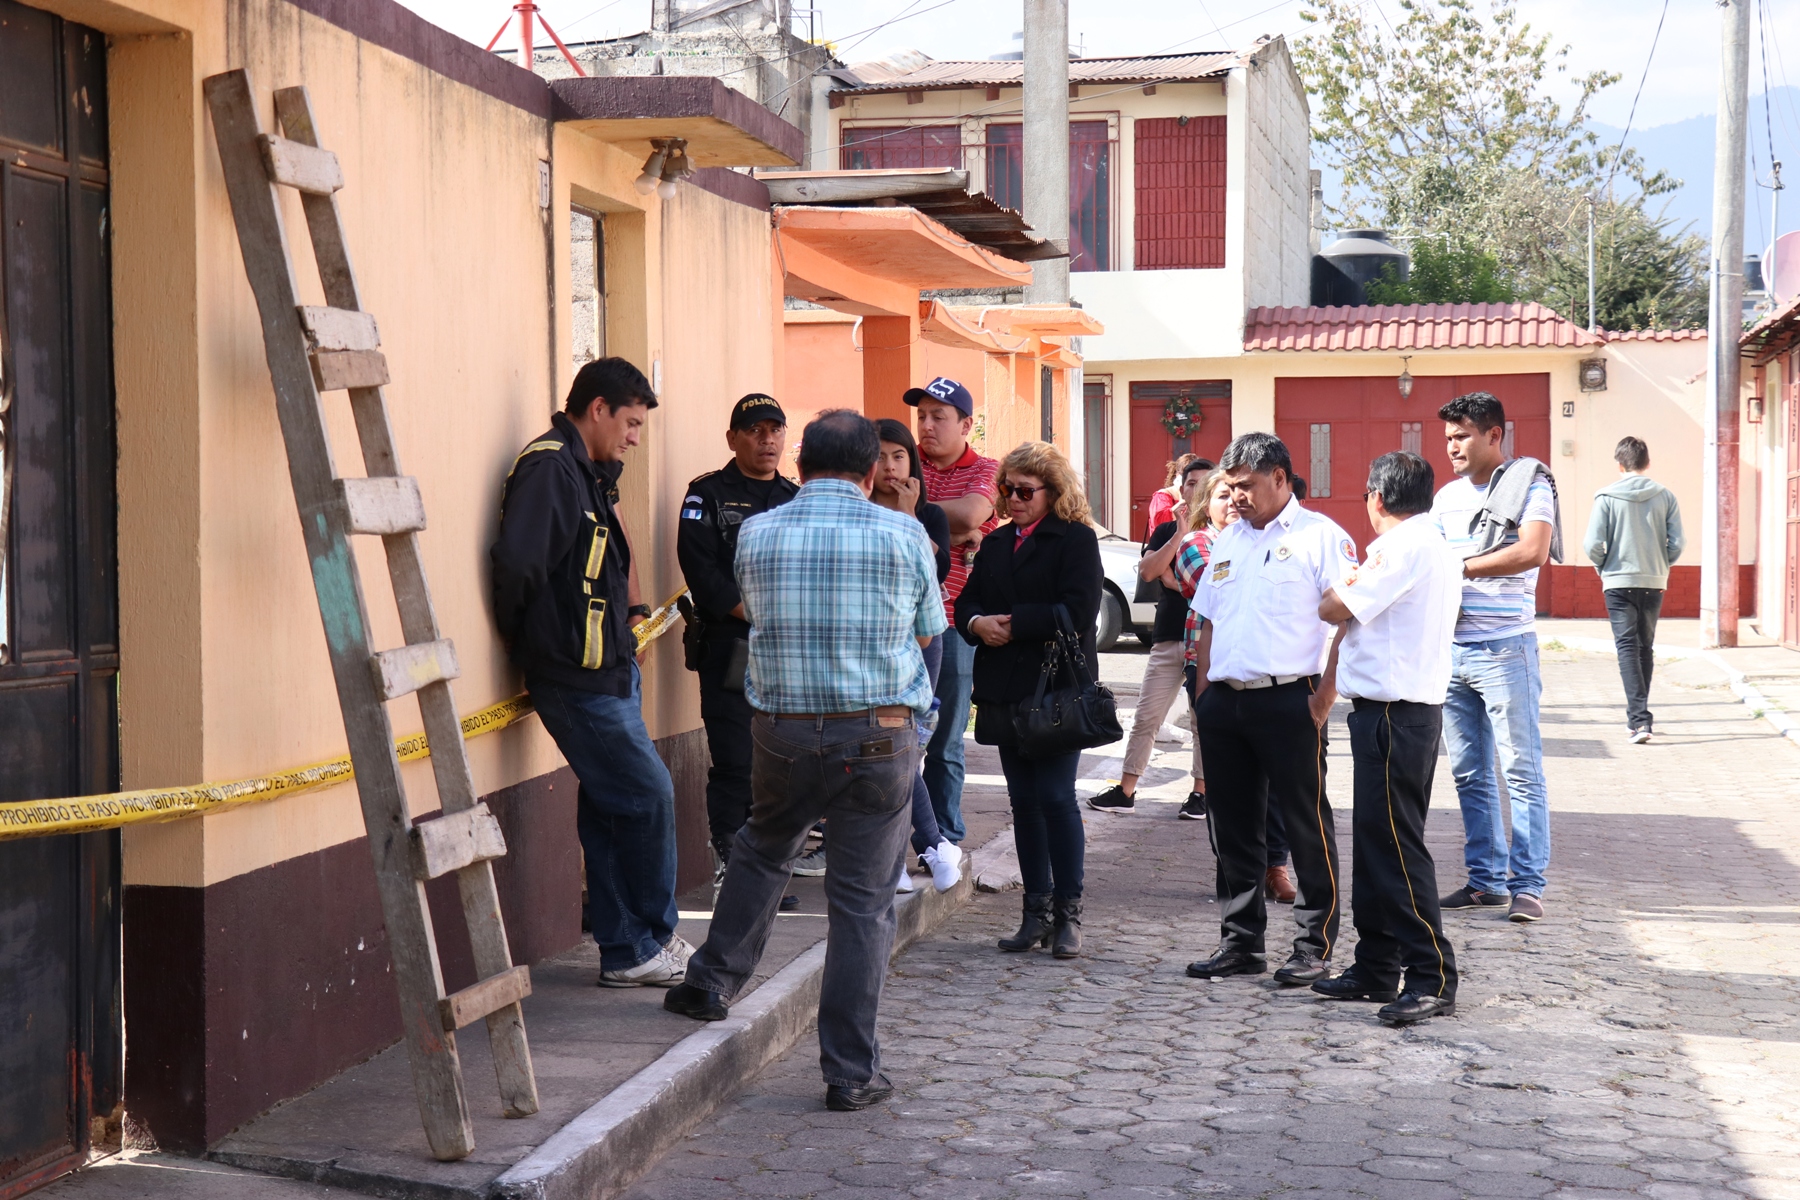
(882, 714)
(1261, 681)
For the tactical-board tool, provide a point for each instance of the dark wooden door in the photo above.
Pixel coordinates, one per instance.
(1153, 447)
(1335, 427)
(59, 915)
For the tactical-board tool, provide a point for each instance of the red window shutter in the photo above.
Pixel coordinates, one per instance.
(902, 147)
(1180, 193)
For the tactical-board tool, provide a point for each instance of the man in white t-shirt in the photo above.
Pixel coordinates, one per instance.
(1500, 517)
(1398, 610)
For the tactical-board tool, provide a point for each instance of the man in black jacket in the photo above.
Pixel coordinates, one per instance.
(566, 601)
(706, 542)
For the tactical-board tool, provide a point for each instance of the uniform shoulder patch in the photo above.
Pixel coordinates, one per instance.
(1348, 549)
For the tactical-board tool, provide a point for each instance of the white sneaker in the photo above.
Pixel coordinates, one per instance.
(906, 884)
(945, 861)
(1639, 736)
(680, 949)
(664, 970)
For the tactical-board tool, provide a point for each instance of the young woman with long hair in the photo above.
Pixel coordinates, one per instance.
(900, 485)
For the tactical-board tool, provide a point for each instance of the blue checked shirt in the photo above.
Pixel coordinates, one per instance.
(837, 590)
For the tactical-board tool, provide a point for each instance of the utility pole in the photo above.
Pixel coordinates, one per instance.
(1725, 323)
(1046, 148)
(1590, 207)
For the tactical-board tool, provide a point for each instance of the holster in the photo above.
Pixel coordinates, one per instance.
(693, 632)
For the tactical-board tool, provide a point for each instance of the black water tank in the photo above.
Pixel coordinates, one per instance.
(1342, 271)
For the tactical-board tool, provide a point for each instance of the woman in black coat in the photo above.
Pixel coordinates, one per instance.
(1046, 556)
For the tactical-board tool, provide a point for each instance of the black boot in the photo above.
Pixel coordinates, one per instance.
(1035, 928)
(1066, 942)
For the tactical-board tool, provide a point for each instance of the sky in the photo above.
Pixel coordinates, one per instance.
(1612, 35)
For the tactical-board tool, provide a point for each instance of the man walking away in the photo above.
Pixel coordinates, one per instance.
(566, 600)
(961, 482)
(841, 594)
(714, 510)
(1263, 693)
(1633, 536)
(1501, 518)
(1398, 610)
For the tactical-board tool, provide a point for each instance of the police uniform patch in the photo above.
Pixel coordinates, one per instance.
(1349, 549)
(1283, 553)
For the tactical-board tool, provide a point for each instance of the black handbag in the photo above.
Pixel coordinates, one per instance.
(1148, 591)
(1064, 716)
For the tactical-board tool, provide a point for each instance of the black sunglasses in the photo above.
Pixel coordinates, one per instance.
(1020, 493)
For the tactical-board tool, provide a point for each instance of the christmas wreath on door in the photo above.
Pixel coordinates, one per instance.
(1181, 416)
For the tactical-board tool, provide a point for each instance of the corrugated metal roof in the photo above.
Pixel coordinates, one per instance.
(1412, 327)
(1772, 336)
(940, 74)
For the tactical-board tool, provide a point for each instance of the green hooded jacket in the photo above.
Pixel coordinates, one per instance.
(1635, 533)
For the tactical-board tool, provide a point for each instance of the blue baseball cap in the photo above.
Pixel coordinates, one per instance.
(944, 391)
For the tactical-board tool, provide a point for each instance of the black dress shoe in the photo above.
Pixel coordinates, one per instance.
(1301, 968)
(855, 1097)
(1348, 987)
(1414, 1007)
(698, 1003)
(1228, 962)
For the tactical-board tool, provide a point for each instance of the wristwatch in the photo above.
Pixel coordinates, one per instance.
(638, 610)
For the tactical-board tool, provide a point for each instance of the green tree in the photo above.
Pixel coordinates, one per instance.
(1444, 272)
(1442, 131)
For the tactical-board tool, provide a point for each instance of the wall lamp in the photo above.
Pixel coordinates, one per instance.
(667, 165)
(1406, 380)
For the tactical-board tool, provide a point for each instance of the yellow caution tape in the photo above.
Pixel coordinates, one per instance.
(85, 814)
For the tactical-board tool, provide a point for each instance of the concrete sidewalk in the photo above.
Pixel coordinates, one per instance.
(1763, 674)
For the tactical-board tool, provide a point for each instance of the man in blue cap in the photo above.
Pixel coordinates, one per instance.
(962, 483)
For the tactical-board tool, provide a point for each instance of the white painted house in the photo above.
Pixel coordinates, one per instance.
(1191, 202)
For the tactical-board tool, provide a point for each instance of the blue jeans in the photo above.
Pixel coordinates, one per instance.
(1047, 825)
(925, 831)
(856, 774)
(944, 755)
(1493, 706)
(624, 816)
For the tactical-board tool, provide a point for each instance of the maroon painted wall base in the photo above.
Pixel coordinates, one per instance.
(254, 990)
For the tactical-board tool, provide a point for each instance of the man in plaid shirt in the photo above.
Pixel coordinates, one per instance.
(840, 594)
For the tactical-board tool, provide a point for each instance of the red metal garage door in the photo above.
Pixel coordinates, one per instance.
(1334, 427)
(1153, 447)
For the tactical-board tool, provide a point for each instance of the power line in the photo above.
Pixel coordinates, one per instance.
(1619, 152)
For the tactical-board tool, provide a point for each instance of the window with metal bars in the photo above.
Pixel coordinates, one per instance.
(1090, 186)
(902, 147)
(1412, 437)
(1318, 476)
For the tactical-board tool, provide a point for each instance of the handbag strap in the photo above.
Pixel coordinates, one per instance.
(1071, 647)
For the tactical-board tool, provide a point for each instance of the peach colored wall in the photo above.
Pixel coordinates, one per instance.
(225, 668)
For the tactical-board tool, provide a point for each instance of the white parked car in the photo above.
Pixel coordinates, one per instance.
(1119, 613)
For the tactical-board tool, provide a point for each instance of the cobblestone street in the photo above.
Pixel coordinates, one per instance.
(1642, 1040)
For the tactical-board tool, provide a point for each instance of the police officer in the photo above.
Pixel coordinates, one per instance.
(1399, 611)
(1265, 689)
(706, 540)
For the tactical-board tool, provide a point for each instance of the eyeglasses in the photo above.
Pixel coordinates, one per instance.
(1019, 492)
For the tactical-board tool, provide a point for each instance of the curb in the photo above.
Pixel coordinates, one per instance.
(1779, 719)
(606, 1148)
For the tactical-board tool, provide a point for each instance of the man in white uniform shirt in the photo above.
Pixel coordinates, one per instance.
(1398, 610)
(1263, 695)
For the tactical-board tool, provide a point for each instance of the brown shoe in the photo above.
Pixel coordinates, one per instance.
(1277, 886)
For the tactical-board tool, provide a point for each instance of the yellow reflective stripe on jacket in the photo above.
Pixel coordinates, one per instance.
(596, 552)
(594, 644)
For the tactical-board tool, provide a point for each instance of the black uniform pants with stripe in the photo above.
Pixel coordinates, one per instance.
(1262, 752)
(727, 716)
(1393, 882)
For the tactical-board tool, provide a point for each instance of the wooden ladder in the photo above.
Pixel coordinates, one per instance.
(310, 351)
